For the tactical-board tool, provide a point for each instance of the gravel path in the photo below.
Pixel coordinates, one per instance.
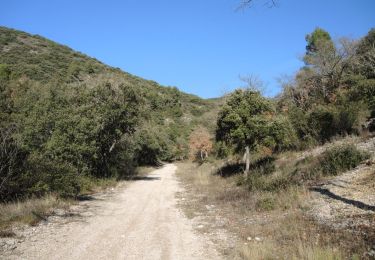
(139, 221)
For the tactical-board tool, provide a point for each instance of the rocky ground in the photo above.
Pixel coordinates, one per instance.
(347, 201)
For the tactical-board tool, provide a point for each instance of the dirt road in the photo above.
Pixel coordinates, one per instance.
(139, 221)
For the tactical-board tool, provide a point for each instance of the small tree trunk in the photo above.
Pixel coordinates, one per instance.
(247, 161)
(112, 146)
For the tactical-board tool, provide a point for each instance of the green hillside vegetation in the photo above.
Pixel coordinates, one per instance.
(67, 119)
(320, 126)
(333, 95)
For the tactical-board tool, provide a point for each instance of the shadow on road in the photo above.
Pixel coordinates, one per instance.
(354, 203)
(144, 178)
(85, 197)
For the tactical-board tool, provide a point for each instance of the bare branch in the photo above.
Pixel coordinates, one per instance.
(253, 82)
(244, 4)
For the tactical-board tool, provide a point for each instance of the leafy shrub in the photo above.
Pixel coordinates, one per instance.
(222, 149)
(321, 123)
(4, 72)
(264, 165)
(12, 163)
(327, 121)
(283, 134)
(305, 169)
(47, 175)
(339, 159)
(299, 120)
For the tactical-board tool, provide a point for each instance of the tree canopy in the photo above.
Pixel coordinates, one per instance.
(248, 120)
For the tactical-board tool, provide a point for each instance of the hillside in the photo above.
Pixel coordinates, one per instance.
(42, 60)
(289, 177)
(46, 87)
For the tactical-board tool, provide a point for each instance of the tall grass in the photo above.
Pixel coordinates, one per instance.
(30, 211)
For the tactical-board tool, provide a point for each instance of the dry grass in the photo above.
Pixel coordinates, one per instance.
(266, 250)
(276, 217)
(30, 211)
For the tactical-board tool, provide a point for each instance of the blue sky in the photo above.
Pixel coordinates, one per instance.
(200, 46)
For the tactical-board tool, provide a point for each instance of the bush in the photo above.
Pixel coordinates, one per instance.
(321, 123)
(264, 165)
(299, 120)
(283, 134)
(4, 72)
(222, 150)
(47, 175)
(327, 121)
(257, 181)
(340, 159)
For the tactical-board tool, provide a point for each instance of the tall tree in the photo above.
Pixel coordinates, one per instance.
(317, 40)
(248, 122)
(243, 121)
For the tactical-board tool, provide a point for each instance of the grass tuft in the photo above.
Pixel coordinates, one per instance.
(30, 211)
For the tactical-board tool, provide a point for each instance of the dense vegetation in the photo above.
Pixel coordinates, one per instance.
(66, 119)
(332, 95)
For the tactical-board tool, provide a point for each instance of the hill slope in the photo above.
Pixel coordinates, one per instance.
(64, 107)
(39, 59)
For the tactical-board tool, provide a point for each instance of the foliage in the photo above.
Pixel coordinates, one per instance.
(67, 132)
(334, 94)
(76, 119)
(282, 133)
(365, 64)
(248, 119)
(151, 145)
(4, 72)
(243, 119)
(340, 159)
(12, 161)
(264, 165)
(316, 39)
(200, 144)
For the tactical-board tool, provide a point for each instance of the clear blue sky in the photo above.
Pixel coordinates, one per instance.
(200, 46)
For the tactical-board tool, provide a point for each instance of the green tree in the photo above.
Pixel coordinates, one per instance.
(247, 122)
(243, 121)
(318, 39)
(365, 64)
